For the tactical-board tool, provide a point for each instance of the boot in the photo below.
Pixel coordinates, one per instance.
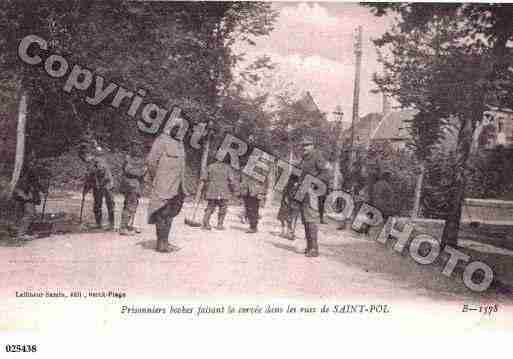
(162, 238)
(98, 218)
(110, 227)
(314, 246)
(220, 221)
(290, 233)
(307, 237)
(126, 232)
(206, 219)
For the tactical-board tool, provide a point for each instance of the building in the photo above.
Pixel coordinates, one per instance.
(495, 129)
(393, 129)
(363, 129)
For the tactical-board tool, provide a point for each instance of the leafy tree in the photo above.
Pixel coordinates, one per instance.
(448, 61)
(180, 53)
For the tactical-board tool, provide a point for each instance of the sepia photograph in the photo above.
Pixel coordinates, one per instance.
(296, 170)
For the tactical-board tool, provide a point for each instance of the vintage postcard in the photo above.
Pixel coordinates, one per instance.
(305, 172)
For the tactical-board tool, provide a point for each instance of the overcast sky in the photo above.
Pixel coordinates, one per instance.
(312, 44)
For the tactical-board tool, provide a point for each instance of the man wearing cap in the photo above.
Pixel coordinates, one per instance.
(220, 184)
(315, 165)
(166, 170)
(99, 179)
(253, 193)
(131, 187)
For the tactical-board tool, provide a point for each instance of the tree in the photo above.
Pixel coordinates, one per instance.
(180, 53)
(448, 61)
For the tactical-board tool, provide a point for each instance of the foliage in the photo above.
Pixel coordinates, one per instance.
(180, 53)
(490, 174)
(447, 61)
(294, 119)
(382, 157)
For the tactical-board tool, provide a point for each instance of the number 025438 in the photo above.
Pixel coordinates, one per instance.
(21, 348)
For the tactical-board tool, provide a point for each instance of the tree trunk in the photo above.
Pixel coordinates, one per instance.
(452, 224)
(271, 179)
(418, 191)
(20, 141)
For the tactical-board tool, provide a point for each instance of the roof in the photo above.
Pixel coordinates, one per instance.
(394, 126)
(370, 120)
(307, 102)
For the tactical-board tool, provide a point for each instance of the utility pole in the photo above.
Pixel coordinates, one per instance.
(356, 93)
(336, 181)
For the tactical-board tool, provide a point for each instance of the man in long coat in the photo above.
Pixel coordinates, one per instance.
(315, 165)
(166, 169)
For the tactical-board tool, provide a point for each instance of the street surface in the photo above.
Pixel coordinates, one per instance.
(228, 263)
(217, 268)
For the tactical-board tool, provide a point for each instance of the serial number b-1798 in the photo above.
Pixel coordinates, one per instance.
(361, 308)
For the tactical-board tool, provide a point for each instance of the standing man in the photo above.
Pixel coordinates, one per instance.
(166, 170)
(315, 165)
(99, 179)
(326, 176)
(132, 187)
(289, 209)
(27, 196)
(253, 194)
(220, 184)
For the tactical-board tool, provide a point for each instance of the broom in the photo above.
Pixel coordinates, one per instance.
(204, 157)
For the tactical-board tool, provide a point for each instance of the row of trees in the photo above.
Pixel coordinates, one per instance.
(180, 53)
(449, 61)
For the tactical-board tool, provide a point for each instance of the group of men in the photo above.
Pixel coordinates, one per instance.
(165, 167)
(100, 181)
(220, 184)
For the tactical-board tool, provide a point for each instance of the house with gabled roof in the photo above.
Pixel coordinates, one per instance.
(393, 128)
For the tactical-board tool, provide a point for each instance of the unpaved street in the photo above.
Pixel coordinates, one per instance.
(224, 263)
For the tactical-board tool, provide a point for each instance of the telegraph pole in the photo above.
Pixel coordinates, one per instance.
(338, 112)
(356, 93)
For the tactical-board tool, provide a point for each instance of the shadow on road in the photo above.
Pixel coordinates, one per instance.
(386, 264)
(286, 247)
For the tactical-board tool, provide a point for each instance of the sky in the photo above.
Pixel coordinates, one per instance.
(312, 47)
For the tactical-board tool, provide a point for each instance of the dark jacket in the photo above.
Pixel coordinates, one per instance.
(99, 175)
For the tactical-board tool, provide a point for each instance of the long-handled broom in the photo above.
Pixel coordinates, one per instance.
(204, 157)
